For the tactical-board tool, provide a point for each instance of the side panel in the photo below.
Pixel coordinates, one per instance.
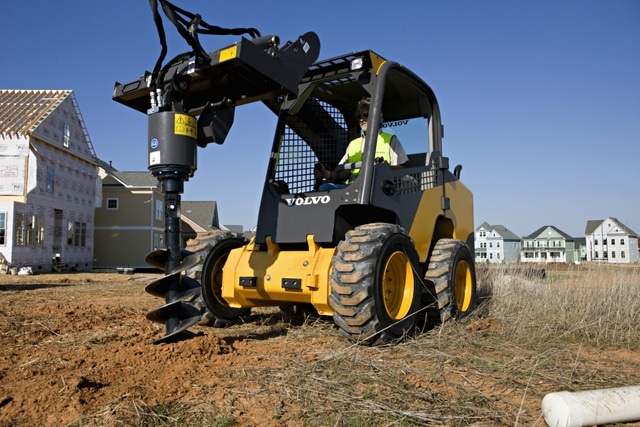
(430, 208)
(258, 278)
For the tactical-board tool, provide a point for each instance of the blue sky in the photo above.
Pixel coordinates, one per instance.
(540, 99)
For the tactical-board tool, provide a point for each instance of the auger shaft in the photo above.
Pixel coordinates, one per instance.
(173, 238)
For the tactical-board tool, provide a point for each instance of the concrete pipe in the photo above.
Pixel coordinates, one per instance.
(591, 407)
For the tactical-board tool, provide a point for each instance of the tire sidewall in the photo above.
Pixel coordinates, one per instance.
(463, 254)
(396, 329)
(220, 308)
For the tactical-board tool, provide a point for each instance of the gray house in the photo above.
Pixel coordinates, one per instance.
(496, 244)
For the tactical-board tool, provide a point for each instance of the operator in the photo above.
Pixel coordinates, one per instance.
(388, 150)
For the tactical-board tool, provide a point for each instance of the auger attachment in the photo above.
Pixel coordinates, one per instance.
(172, 159)
(183, 304)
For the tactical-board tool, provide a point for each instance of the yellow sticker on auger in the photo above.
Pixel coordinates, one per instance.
(186, 125)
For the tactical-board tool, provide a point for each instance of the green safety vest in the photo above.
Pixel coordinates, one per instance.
(383, 149)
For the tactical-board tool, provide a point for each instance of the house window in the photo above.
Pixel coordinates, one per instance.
(66, 136)
(613, 241)
(29, 230)
(77, 233)
(595, 242)
(3, 228)
(613, 254)
(159, 210)
(112, 204)
(50, 178)
(621, 242)
(622, 255)
(490, 244)
(497, 244)
(80, 238)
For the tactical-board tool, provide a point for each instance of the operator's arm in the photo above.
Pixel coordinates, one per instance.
(398, 155)
(335, 176)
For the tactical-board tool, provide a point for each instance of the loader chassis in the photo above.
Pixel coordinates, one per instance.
(388, 254)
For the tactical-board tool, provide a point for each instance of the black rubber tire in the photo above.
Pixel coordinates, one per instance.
(213, 249)
(375, 284)
(451, 282)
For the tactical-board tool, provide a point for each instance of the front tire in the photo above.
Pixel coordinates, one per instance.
(375, 287)
(451, 282)
(214, 250)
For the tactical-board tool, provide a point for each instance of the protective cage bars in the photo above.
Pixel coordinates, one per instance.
(296, 157)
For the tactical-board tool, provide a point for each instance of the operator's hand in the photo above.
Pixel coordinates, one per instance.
(319, 171)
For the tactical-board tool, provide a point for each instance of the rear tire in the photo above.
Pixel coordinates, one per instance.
(451, 282)
(214, 250)
(375, 288)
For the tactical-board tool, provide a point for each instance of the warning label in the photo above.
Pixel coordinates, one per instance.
(154, 158)
(185, 125)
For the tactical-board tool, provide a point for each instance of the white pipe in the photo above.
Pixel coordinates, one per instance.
(591, 407)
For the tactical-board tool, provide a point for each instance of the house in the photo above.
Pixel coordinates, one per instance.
(198, 217)
(580, 248)
(49, 185)
(496, 244)
(548, 244)
(130, 221)
(611, 241)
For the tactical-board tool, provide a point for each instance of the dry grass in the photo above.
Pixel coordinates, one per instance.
(528, 338)
(594, 305)
(576, 329)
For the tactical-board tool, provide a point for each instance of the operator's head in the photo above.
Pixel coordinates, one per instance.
(362, 113)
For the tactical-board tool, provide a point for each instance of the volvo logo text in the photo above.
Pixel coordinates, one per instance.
(312, 200)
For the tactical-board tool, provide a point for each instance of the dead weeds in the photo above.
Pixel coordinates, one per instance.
(76, 351)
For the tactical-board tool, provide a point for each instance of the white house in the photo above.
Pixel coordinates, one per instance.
(611, 241)
(496, 244)
(49, 183)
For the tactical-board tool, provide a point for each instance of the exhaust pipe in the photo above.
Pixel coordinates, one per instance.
(591, 407)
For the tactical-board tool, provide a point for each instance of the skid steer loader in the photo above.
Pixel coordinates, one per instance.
(386, 256)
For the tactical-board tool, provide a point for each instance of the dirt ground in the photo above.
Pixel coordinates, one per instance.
(76, 349)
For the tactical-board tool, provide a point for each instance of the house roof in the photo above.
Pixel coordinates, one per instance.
(22, 111)
(501, 230)
(136, 179)
(592, 224)
(539, 231)
(484, 225)
(202, 214)
(505, 232)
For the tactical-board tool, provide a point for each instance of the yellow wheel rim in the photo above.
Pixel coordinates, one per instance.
(398, 286)
(463, 286)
